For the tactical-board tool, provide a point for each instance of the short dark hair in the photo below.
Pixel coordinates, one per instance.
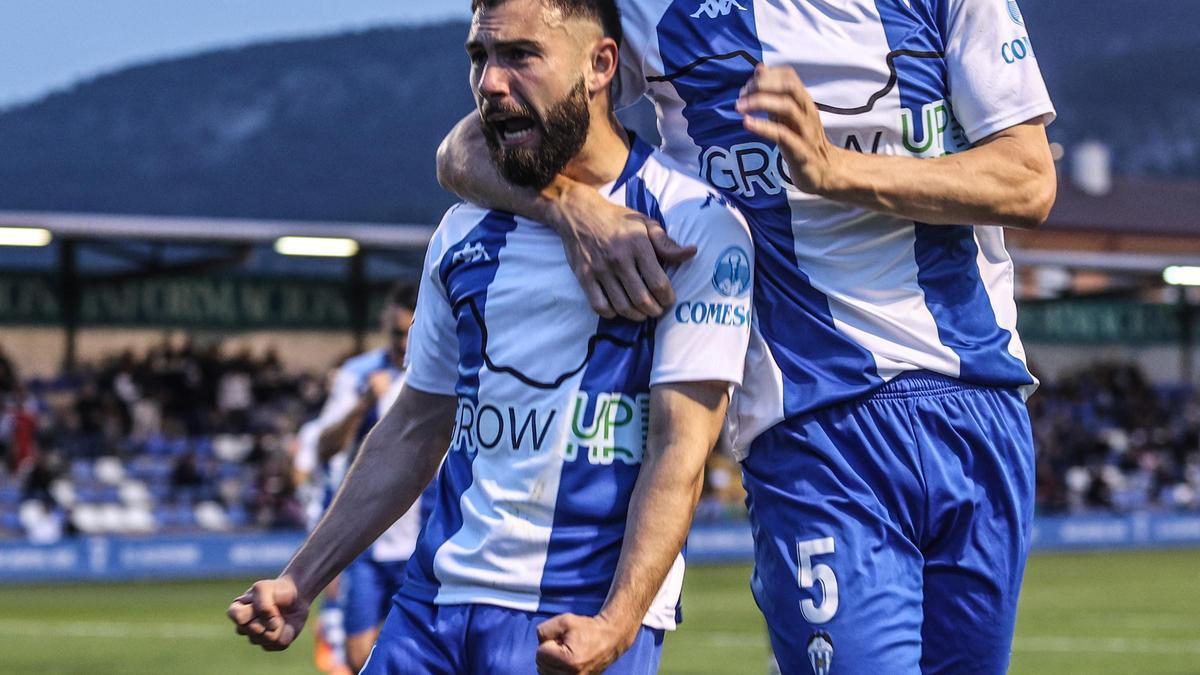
(603, 12)
(401, 295)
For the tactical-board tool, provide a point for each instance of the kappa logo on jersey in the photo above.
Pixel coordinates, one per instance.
(731, 277)
(715, 8)
(820, 652)
(471, 253)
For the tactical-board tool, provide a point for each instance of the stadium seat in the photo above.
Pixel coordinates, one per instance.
(81, 470)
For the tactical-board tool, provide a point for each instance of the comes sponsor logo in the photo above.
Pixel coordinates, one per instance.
(714, 313)
(1017, 50)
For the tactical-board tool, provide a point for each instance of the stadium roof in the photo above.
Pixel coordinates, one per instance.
(1143, 206)
(216, 230)
(1140, 225)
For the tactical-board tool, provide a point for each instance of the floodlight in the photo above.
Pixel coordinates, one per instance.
(319, 247)
(1182, 275)
(24, 236)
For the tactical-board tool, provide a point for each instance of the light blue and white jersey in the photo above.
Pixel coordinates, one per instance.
(847, 298)
(349, 386)
(554, 401)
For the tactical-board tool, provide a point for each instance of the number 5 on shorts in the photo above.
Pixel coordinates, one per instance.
(811, 574)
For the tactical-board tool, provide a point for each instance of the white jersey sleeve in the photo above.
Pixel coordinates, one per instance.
(344, 395)
(704, 336)
(994, 78)
(432, 360)
(384, 404)
(306, 457)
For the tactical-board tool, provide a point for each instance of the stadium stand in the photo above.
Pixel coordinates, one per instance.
(183, 438)
(187, 438)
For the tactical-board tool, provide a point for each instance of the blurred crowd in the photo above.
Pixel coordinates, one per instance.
(190, 437)
(1110, 440)
(185, 437)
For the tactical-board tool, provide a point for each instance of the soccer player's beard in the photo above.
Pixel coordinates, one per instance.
(562, 133)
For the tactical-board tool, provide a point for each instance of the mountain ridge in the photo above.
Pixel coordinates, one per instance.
(345, 127)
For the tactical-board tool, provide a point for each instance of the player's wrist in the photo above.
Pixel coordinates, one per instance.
(837, 177)
(621, 627)
(561, 201)
(306, 586)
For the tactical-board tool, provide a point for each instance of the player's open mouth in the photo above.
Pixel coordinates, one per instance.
(513, 131)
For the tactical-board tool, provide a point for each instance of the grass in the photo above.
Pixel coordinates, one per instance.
(1089, 613)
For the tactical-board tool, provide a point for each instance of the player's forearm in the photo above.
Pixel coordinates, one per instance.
(464, 167)
(663, 503)
(659, 519)
(397, 460)
(1007, 180)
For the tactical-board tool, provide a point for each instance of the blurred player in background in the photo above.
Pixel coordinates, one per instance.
(576, 445)
(311, 476)
(886, 448)
(363, 388)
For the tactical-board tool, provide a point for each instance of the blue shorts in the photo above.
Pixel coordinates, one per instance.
(420, 638)
(891, 532)
(366, 590)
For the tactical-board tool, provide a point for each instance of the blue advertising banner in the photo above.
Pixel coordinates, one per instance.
(212, 556)
(119, 558)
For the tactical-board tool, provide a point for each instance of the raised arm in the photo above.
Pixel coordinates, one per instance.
(617, 254)
(1007, 178)
(685, 421)
(397, 460)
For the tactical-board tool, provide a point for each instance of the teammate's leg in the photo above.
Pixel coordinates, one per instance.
(362, 596)
(835, 501)
(330, 645)
(504, 642)
(372, 585)
(980, 471)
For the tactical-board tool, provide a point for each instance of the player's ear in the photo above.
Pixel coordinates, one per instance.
(605, 56)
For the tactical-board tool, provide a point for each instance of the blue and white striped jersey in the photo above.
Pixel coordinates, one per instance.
(553, 401)
(847, 298)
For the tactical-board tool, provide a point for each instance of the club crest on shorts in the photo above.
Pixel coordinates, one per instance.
(731, 277)
(820, 652)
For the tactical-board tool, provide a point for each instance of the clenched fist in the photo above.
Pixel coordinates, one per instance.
(271, 613)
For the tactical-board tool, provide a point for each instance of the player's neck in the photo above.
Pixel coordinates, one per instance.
(604, 153)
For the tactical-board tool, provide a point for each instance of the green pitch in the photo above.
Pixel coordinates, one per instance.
(1101, 613)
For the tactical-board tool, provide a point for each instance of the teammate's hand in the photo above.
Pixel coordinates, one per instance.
(579, 645)
(378, 384)
(271, 613)
(793, 123)
(618, 256)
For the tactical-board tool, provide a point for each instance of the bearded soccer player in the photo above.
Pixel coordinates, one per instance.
(576, 444)
(877, 148)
